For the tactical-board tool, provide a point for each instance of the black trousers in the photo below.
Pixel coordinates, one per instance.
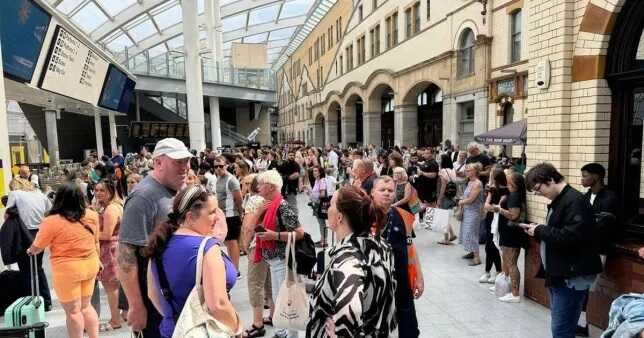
(492, 255)
(25, 272)
(405, 309)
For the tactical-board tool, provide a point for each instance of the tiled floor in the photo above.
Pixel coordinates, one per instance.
(454, 303)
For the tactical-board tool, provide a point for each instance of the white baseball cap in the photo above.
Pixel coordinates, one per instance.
(171, 147)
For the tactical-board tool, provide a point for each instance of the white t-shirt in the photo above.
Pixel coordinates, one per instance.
(32, 206)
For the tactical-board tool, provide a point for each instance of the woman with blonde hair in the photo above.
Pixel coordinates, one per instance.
(471, 205)
(404, 190)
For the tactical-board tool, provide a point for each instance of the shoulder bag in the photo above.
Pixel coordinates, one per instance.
(292, 304)
(195, 321)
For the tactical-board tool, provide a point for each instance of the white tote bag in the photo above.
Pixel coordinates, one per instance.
(494, 227)
(292, 305)
(194, 320)
(438, 219)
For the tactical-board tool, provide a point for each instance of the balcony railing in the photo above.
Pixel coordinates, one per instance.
(171, 65)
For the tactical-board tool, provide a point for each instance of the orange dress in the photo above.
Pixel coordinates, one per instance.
(73, 254)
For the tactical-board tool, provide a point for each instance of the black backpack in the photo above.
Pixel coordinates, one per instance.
(450, 189)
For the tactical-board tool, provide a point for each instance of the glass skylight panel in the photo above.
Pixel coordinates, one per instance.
(283, 33)
(280, 43)
(257, 38)
(232, 23)
(157, 50)
(263, 14)
(89, 17)
(68, 5)
(295, 8)
(175, 43)
(142, 30)
(120, 43)
(169, 17)
(115, 7)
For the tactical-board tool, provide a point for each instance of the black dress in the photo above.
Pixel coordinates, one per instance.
(512, 236)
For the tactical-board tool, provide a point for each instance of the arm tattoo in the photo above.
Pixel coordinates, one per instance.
(127, 257)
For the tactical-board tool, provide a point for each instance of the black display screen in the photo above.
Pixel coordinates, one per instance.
(23, 26)
(127, 97)
(112, 88)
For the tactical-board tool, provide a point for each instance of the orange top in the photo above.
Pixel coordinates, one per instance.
(69, 241)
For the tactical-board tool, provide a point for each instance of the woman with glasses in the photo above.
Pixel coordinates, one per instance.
(173, 247)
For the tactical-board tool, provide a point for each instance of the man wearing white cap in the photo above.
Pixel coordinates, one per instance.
(148, 205)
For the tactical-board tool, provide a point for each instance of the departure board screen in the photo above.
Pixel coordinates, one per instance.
(73, 69)
(113, 89)
(23, 26)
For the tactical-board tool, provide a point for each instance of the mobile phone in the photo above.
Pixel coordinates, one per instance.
(260, 228)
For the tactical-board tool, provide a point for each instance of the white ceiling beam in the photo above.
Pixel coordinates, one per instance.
(143, 6)
(102, 9)
(177, 29)
(77, 8)
(124, 17)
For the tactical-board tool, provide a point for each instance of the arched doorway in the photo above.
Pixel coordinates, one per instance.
(318, 131)
(333, 127)
(430, 116)
(625, 75)
(353, 119)
(388, 105)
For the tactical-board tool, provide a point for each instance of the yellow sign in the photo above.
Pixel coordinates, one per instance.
(2, 192)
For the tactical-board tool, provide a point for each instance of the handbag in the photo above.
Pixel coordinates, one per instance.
(323, 207)
(414, 201)
(450, 188)
(458, 213)
(305, 257)
(195, 321)
(292, 304)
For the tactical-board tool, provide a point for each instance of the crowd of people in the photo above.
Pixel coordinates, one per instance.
(140, 224)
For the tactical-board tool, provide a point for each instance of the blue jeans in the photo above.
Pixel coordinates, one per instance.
(565, 308)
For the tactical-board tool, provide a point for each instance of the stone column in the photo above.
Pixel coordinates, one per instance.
(371, 128)
(406, 125)
(348, 125)
(51, 123)
(330, 132)
(112, 124)
(99, 134)
(194, 85)
(214, 34)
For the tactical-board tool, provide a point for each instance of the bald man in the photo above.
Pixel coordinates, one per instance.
(25, 173)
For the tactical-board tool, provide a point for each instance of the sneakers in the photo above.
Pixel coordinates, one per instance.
(492, 278)
(484, 278)
(509, 298)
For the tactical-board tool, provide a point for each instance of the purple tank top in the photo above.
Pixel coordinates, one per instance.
(179, 262)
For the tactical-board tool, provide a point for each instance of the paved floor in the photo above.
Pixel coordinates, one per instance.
(454, 303)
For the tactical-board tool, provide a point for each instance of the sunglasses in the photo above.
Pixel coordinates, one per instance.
(218, 166)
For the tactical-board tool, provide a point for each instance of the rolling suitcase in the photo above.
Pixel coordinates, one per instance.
(29, 310)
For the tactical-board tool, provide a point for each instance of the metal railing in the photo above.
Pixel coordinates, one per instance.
(231, 132)
(171, 65)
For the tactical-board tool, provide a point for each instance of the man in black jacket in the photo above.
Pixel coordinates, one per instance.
(569, 247)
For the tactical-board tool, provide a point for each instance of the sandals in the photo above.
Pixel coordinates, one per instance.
(268, 321)
(107, 326)
(254, 331)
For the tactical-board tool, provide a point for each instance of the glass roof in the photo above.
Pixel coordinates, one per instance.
(128, 28)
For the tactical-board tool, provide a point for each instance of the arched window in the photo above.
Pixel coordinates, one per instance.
(515, 37)
(466, 53)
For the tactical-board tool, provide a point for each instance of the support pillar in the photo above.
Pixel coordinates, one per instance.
(112, 123)
(330, 132)
(348, 124)
(138, 106)
(406, 125)
(194, 84)
(5, 154)
(99, 134)
(51, 123)
(215, 124)
(371, 128)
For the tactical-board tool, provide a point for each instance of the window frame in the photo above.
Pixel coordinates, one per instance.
(466, 52)
(515, 49)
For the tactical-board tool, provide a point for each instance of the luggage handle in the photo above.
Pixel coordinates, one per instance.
(35, 283)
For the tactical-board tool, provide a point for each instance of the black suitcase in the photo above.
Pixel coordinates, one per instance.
(10, 280)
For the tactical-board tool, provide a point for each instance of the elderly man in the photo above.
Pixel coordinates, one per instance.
(474, 155)
(25, 173)
(399, 234)
(148, 205)
(363, 174)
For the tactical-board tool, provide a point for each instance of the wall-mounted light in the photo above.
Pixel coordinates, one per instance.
(484, 11)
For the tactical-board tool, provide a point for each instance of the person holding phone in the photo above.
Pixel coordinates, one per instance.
(569, 246)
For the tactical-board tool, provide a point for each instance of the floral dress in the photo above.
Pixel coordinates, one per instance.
(356, 291)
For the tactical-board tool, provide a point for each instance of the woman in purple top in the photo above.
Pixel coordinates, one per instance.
(176, 242)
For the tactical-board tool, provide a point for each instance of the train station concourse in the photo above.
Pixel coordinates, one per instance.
(491, 151)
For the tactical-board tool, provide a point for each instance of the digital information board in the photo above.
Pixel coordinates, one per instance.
(73, 69)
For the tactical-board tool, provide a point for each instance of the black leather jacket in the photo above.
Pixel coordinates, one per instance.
(571, 237)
